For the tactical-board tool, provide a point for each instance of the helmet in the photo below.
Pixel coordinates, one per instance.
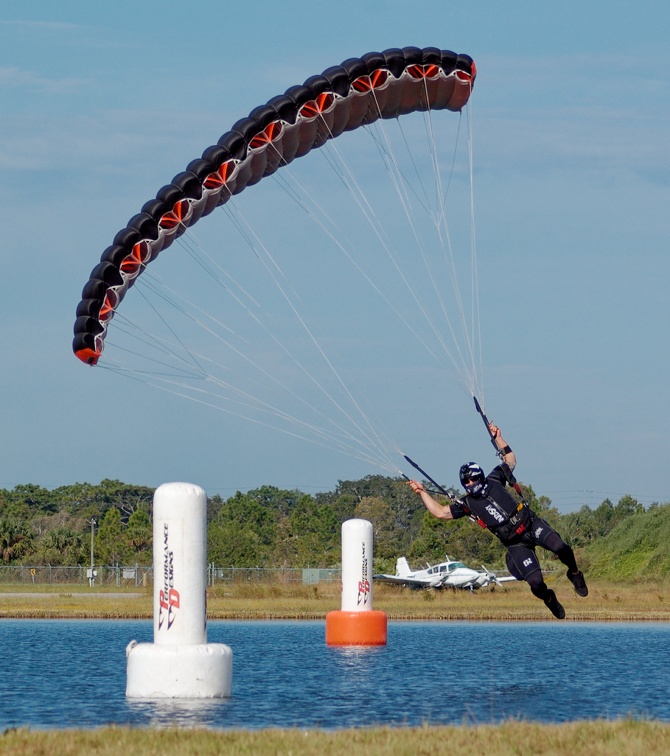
(473, 479)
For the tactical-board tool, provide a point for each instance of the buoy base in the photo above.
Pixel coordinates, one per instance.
(189, 671)
(366, 628)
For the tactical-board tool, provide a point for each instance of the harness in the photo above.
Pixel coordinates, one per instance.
(510, 526)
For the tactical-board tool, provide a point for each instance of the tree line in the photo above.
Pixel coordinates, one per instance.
(272, 527)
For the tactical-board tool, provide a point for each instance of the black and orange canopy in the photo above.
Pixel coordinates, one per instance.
(357, 92)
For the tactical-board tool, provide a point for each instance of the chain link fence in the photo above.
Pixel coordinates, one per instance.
(142, 576)
(305, 575)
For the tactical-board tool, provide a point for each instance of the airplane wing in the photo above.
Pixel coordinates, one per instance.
(396, 580)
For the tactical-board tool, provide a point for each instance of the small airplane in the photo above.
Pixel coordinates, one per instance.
(449, 574)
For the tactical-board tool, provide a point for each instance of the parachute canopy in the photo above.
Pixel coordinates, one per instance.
(358, 92)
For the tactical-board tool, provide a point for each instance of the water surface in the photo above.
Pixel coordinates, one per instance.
(73, 674)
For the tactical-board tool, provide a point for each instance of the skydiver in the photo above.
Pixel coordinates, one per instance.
(519, 528)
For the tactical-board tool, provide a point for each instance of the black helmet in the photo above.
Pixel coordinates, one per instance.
(472, 478)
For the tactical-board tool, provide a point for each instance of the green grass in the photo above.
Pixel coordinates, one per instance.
(608, 601)
(598, 738)
(637, 549)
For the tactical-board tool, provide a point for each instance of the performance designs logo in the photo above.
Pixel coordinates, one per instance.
(169, 595)
(363, 583)
(538, 531)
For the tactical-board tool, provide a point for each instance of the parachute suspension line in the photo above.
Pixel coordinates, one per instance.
(251, 401)
(326, 441)
(174, 299)
(159, 289)
(240, 221)
(124, 324)
(399, 182)
(306, 201)
(152, 342)
(470, 327)
(402, 187)
(440, 195)
(197, 252)
(404, 180)
(320, 217)
(151, 282)
(348, 180)
(345, 442)
(171, 330)
(244, 356)
(450, 260)
(369, 214)
(442, 232)
(282, 179)
(384, 148)
(442, 200)
(359, 199)
(472, 367)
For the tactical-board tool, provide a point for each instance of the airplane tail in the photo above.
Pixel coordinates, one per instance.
(402, 568)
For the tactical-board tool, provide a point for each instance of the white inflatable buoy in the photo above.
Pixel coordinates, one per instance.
(357, 623)
(179, 663)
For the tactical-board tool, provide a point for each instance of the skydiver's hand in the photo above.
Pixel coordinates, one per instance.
(494, 430)
(416, 486)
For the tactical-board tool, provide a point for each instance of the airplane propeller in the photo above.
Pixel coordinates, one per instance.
(492, 577)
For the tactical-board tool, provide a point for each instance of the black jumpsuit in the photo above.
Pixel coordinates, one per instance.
(492, 508)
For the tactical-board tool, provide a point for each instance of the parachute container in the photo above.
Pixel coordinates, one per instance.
(357, 623)
(179, 663)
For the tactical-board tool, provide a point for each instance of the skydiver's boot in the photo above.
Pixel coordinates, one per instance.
(554, 606)
(577, 580)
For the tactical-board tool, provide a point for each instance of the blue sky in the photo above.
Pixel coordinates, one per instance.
(100, 105)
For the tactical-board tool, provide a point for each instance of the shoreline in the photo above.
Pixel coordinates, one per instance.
(606, 602)
(277, 614)
(279, 617)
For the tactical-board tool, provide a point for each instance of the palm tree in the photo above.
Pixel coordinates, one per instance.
(15, 539)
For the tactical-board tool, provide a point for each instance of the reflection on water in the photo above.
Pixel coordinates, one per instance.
(177, 712)
(73, 674)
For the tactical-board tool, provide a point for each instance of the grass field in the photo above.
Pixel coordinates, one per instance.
(624, 737)
(606, 602)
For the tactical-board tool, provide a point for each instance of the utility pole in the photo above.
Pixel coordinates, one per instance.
(92, 573)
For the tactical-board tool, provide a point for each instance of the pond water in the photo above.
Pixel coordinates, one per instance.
(73, 674)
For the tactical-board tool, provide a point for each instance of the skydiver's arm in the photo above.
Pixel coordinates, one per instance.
(508, 456)
(441, 511)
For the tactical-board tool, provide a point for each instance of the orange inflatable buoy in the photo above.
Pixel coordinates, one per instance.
(366, 628)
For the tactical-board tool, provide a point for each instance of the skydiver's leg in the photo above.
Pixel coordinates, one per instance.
(549, 539)
(523, 564)
(557, 545)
